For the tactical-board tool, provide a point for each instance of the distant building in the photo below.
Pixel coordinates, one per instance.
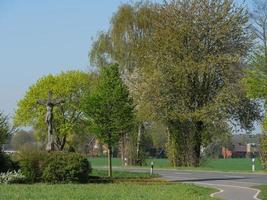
(242, 146)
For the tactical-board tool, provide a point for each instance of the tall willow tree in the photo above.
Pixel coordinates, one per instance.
(183, 63)
(197, 50)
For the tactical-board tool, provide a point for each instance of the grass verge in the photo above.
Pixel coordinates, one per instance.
(122, 174)
(263, 193)
(101, 176)
(120, 191)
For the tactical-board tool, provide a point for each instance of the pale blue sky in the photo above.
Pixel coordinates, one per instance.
(38, 37)
(41, 37)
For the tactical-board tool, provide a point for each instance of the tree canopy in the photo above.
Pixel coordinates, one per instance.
(109, 109)
(182, 61)
(68, 118)
(255, 80)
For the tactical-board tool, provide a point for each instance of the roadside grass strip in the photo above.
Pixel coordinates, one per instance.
(120, 191)
(263, 192)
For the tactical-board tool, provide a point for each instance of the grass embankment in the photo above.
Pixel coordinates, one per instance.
(226, 165)
(104, 192)
(101, 176)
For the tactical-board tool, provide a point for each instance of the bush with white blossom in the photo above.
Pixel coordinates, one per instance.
(12, 177)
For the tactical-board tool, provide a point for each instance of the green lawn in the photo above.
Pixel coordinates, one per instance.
(263, 193)
(126, 186)
(234, 164)
(104, 192)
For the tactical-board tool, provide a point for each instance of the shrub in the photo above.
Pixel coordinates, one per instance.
(32, 162)
(6, 163)
(66, 168)
(263, 151)
(12, 177)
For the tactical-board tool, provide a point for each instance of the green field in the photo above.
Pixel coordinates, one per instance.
(233, 164)
(104, 192)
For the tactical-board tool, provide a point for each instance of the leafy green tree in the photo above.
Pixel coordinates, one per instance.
(197, 50)
(182, 62)
(158, 134)
(130, 27)
(68, 117)
(109, 109)
(255, 80)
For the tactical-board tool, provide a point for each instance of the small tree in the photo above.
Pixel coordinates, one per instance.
(68, 118)
(109, 109)
(5, 129)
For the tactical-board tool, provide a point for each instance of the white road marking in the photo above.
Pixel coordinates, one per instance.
(234, 186)
(220, 191)
(256, 195)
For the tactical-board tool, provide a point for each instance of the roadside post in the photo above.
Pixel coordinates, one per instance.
(151, 168)
(253, 155)
(253, 162)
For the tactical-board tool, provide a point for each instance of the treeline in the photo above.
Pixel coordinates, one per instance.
(183, 62)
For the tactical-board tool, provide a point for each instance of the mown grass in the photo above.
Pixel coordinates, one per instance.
(227, 165)
(122, 174)
(263, 193)
(116, 162)
(104, 192)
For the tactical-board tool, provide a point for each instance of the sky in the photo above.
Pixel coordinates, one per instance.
(41, 37)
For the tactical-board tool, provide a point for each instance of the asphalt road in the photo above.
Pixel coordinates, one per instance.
(231, 186)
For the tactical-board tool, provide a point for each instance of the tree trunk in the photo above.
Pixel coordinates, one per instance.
(171, 149)
(198, 142)
(109, 160)
(139, 136)
(123, 150)
(63, 143)
(197, 148)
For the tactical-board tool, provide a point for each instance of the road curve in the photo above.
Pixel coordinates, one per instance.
(231, 186)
